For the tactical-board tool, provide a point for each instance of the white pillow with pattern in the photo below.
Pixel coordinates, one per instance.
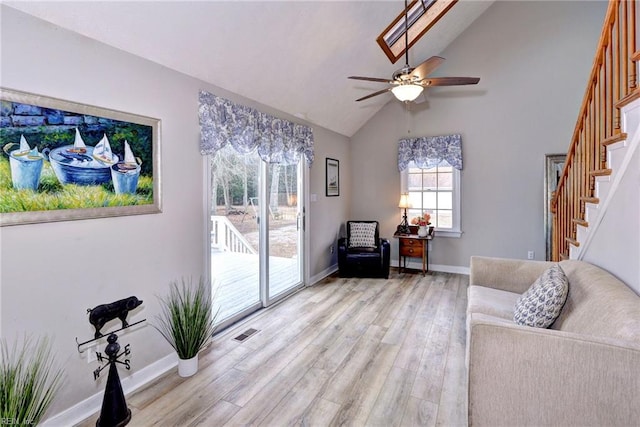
(540, 305)
(362, 235)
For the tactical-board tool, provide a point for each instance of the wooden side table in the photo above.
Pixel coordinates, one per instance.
(413, 246)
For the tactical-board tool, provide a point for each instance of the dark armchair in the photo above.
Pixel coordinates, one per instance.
(363, 253)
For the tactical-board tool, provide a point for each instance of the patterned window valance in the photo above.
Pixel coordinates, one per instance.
(428, 151)
(277, 140)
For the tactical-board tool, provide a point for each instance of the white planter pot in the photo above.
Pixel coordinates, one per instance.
(423, 231)
(188, 367)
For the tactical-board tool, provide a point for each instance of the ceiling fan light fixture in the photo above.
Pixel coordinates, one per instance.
(407, 92)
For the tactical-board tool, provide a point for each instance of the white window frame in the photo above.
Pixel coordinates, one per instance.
(456, 230)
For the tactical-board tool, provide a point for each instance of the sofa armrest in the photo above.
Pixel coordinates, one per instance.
(513, 275)
(529, 376)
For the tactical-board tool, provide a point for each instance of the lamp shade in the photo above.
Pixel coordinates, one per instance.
(407, 92)
(404, 201)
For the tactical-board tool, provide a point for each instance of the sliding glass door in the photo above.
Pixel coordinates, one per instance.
(284, 229)
(256, 232)
(235, 238)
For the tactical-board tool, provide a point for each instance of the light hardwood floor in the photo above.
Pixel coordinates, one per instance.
(351, 352)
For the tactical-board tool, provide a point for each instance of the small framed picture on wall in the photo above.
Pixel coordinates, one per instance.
(333, 177)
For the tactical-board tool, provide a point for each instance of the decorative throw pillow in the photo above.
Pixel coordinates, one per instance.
(540, 305)
(362, 235)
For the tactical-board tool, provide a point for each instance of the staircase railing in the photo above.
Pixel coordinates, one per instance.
(612, 84)
(226, 237)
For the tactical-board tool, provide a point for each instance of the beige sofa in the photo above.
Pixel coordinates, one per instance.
(583, 371)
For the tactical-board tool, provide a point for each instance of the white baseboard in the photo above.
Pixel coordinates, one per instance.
(450, 269)
(394, 263)
(324, 273)
(434, 267)
(83, 410)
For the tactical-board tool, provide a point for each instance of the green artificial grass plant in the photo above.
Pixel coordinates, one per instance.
(29, 380)
(186, 320)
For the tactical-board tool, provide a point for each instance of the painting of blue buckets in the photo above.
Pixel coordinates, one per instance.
(61, 160)
(125, 174)
(26, 165)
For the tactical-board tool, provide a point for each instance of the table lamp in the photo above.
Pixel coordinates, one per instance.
(404, 204)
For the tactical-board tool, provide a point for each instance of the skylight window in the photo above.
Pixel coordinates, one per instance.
(421, 15)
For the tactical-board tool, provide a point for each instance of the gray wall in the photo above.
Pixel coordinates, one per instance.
(328, 214)
(533, 59)
(47, 278)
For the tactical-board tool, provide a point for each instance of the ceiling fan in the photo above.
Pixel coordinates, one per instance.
(408, 83)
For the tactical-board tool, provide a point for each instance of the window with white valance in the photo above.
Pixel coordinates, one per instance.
(276, 140)
(430, 174)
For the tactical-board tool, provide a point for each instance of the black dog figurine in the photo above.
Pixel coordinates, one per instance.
(101, 314)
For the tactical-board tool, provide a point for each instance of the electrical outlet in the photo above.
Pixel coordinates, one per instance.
(530, 255)
(331, 248)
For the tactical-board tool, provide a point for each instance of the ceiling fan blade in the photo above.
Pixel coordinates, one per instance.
(370, 79)
(371, 95)
(450, 81)
(427, 67)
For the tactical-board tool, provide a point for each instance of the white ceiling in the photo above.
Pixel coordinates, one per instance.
(294, 56)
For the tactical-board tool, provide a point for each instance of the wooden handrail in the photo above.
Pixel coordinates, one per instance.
(612, 82)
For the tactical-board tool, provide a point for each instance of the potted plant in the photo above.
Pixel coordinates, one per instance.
(187, 322)
(29, 380)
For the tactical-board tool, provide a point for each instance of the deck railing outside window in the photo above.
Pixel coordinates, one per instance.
(226, 237)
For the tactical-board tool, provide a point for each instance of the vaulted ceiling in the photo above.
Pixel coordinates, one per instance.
(294, 56)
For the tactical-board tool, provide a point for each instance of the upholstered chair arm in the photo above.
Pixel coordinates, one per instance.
(342, 253)
(513, 275)
(385, 248)
(526, 376)
(342, 243)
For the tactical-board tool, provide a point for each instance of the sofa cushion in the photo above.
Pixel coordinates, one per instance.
(362, 235)
(490, 301)
(540, 305)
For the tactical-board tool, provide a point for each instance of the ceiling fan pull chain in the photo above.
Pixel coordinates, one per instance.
(407, 105)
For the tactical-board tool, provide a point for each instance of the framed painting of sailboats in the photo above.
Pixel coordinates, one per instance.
(63, 161)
